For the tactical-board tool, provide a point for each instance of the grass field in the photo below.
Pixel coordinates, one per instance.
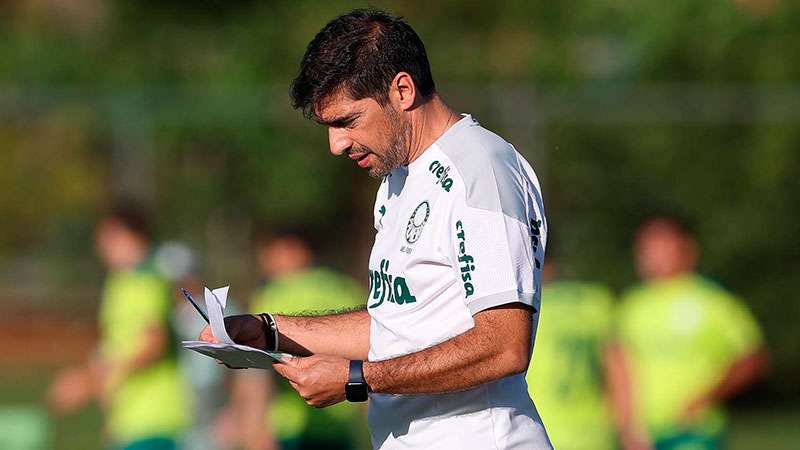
(24, 388)
(750, 429)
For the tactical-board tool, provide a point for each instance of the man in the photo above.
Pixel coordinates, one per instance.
(136, 373)
(444, 341)
(566, 376)
(264, 407)
(685, 345)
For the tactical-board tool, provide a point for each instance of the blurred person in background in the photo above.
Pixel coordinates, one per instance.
(266, 412)
(685, 345)
(205, 378)
(135, 372)
(566, 376)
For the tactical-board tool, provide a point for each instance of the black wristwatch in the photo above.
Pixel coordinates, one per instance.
(356, 388)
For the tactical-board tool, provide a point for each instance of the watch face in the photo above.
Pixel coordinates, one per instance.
(356, 392)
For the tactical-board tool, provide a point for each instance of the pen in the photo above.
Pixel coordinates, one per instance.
(188, 296)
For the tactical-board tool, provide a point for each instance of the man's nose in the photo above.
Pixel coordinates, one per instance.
(339, 141)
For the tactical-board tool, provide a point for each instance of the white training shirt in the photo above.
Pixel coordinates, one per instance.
(459, 230)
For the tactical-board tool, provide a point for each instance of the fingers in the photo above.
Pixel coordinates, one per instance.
(296, 386)
(309, 380)
(288, 370)
(223, 363)
(293, 361)
(207, 335)
(309, 397)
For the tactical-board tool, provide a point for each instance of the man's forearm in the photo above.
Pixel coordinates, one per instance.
(153, 348)
(342, 334)
(498, 346)
(618, 379)
(741, 374)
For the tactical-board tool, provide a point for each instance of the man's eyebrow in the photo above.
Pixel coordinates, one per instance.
(340, 121)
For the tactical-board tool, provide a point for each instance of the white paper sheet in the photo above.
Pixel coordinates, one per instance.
(232, 354)
(215, 305)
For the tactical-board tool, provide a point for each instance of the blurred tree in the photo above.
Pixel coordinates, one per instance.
(621, 106)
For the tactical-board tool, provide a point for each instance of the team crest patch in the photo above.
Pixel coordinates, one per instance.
(418, 220)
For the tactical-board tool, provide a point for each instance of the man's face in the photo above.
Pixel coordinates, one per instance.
(117, 246)
(375, 137)
(662, 251)
(283, 255)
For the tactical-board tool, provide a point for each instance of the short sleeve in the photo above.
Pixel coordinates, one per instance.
(152, 304)
(622, 322)
(133, 302)
(497, 258)
(497, 219)
(737, 329)
(602, 306)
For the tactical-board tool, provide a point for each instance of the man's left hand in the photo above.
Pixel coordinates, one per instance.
(319, 379)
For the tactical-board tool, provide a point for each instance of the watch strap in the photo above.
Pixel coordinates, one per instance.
(270, 329)
(356, 388)
(356, 372)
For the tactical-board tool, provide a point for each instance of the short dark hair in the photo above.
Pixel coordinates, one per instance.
(360, 52)
(675, 219)
(267, 233)
(132, 216)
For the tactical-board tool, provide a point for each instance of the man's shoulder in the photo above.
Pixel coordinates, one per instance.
(474, 150)
(493, 175)
(636, 301)
(650, 295)
(136, 281)
(578, 291)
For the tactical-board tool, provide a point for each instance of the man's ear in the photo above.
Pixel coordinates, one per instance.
(403, 91)
(691, 252)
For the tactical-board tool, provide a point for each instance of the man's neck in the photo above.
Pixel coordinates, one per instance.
(428, 122)
(673, 274)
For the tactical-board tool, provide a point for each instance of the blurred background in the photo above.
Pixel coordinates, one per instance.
(621, 107)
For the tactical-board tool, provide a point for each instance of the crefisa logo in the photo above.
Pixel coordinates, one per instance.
(440, 172)
(466, 263)
(385, 286)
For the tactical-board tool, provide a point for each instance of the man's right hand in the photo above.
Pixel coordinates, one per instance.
(244, 329)
(71, 389)
(635, 441)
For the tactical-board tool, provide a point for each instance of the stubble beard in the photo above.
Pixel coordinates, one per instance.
(396, 153)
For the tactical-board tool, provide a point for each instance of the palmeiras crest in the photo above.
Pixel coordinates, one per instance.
(417, 220)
